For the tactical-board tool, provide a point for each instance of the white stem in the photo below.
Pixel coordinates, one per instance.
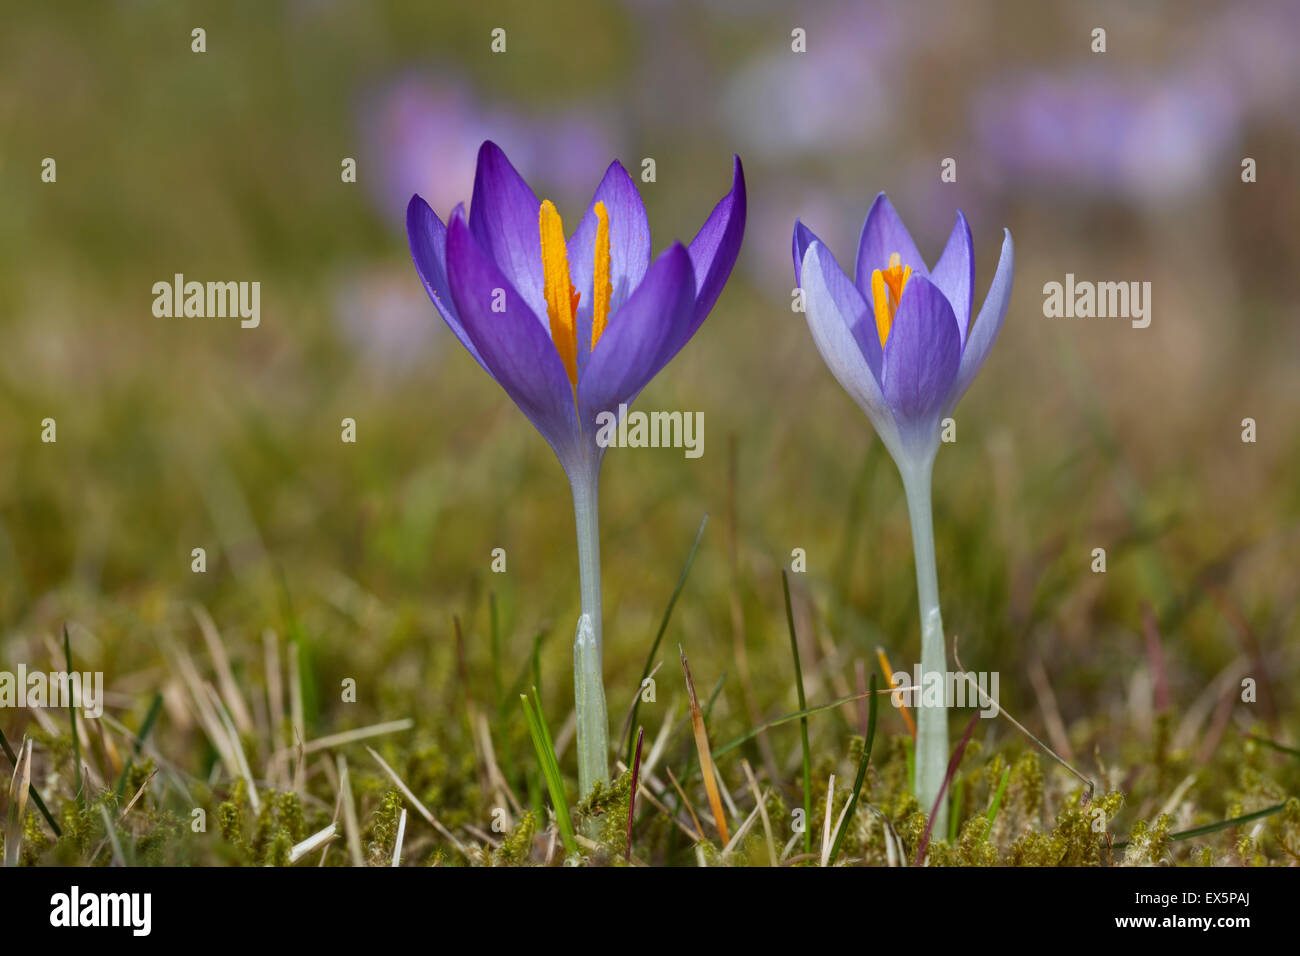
(931, 721)
(588, 674)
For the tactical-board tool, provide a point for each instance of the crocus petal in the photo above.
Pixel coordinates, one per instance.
(857, 312)
(428, 238)
(982, 335)
(629, 239)
(512, 344)
(715, 248)
(503, 218)
(954, 273)
(802, 239)
(629, 353)
(629, 249)
(833, 307)
(921, 358)
(883, 234)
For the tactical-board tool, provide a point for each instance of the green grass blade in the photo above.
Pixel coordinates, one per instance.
(545, 749)
(1215, 827)
(996, 804)
(294, 633)
(862, 773)
(630, 729)
(787, 718)
(145, 727)
(803, 721)
(1280, 748)
(958, 792)
(111, 832)
(72, 716)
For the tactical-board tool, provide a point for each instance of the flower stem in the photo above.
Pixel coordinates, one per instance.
(588, 675)
(932, 720)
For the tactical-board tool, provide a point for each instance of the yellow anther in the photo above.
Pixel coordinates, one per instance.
(561, 298)
(602, 288)
(886, 291)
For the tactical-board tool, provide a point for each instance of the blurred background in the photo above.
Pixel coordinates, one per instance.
(1079, 433)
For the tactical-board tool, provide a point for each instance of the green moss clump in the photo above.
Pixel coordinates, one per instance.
(36, 838)
(159, 842)
(1148, 842)
(516, 848)
(380, 837)
(280, 824)
(230, 817)
(606, 807)
(1025, 787)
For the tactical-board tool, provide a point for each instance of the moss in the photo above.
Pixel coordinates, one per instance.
(380, 837)
(1148, 842)
(278, 827)
(75, 827)
(605, 813)
(911, 829)
(516, 848)
(159, 842)
(973, 847)
(449, 783)
(37, 838)
(1025, 787)
(1289, 829)
(891, 788)
(230, 818)
(135, 779)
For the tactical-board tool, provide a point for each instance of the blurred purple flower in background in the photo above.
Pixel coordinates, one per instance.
(1147, 138)
(385, 319)
(1250, 48)
(419, 133)
(784, 105)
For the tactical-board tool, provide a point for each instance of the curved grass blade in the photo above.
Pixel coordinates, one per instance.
(996, 805)
(631, 799)
(862, 774)
(943, 789)
(31, 788)
(145, 727)
(1280, 748)
(796, 715)
(1215, 827)
(18, 790)
(663, 627)
(706, 759)
(803, 721)
(545, 749)
(72, 715)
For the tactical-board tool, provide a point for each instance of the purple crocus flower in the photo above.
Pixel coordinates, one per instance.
(572, 327)
(900, 338)
(565, 339)
(901, 341)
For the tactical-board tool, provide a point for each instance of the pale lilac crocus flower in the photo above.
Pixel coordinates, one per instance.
(901, 341)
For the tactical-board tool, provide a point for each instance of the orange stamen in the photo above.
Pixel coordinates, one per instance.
(561, 297)
(602, 287)
(886, 291)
